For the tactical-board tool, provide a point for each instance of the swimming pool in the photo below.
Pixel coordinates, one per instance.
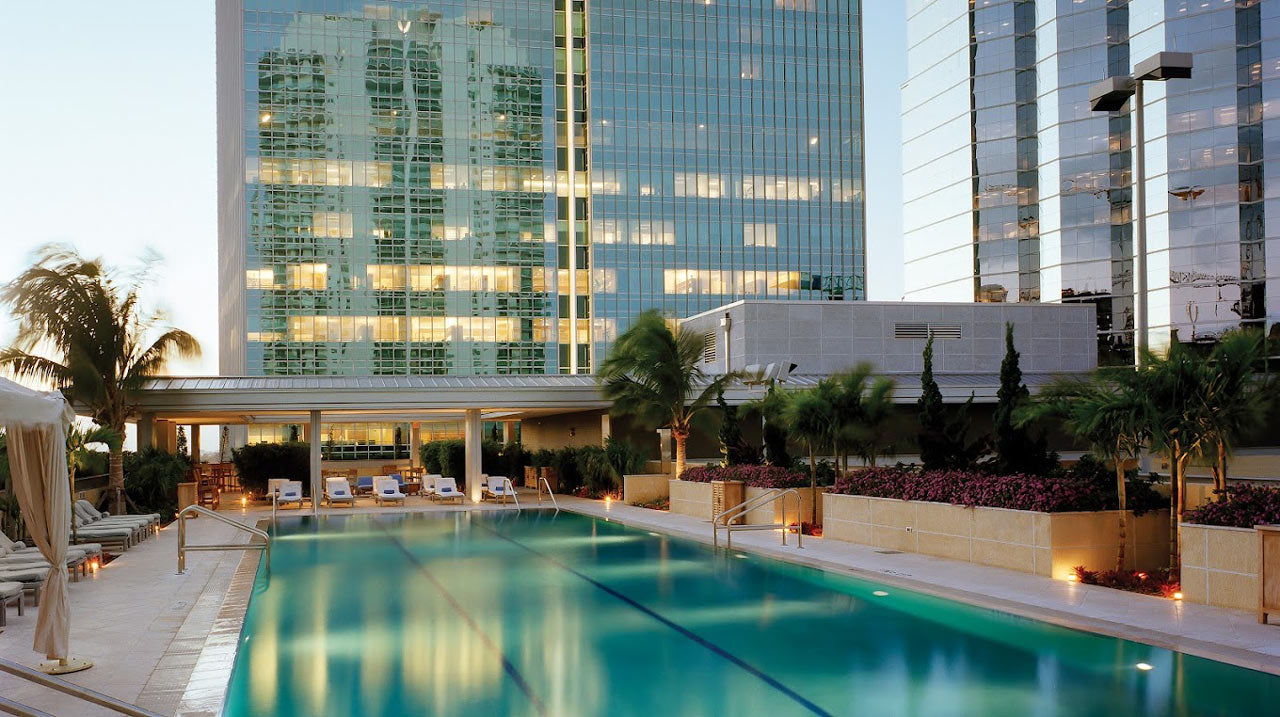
(502, 612)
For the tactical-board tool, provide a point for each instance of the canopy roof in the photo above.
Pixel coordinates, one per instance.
(22, 406)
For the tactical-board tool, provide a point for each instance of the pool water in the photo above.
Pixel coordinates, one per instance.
(494, 613)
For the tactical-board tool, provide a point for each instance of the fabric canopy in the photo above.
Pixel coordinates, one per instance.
(36, 425)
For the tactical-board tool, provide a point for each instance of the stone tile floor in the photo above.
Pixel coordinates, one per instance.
(167, 641)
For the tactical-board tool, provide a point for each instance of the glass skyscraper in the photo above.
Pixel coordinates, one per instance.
(497, 186)
(1015, 190)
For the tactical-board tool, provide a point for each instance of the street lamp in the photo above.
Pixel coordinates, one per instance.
(1110, 95)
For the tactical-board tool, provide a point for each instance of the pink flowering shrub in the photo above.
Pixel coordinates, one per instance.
(971, 488)
(754, 476)
(1239, 506)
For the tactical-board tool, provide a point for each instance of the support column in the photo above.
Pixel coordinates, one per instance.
(194, 433)
(165, 436)
(315, 463)
(471, 441)
(415, 444)
(508, 431)
(606, 429)
(146, 431)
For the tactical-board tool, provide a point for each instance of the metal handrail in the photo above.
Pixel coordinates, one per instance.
(746, 506)
(74, 690)
(509, 489)
(264, 546)
(542, 480)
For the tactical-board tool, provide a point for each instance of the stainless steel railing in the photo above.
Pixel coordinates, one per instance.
(53, 683)
(723, 517)
(264, 546)
(541, 482)
(508, 489)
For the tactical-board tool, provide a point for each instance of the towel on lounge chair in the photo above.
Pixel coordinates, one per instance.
(447, 489)
(338, 490)
(387, 490)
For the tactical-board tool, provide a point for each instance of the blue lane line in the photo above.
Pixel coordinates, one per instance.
(772, 682)
(507, 665)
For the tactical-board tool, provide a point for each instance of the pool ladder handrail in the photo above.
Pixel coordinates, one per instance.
(542, 480)
(54, 683)
(508, 489)
(737, 511)
(264, 546)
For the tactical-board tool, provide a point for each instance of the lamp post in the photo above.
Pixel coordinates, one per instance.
(1110, 95)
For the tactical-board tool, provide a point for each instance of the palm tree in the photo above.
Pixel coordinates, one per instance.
(872, 431)
(1111, 413)
(845, 392)
(1235, 401)
(809, 416)
(86, 334)
(78, 453)
(655, 374)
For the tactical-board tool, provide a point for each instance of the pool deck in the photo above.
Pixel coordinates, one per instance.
(166, 642)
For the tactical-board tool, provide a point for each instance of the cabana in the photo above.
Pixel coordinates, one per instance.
(36, 425)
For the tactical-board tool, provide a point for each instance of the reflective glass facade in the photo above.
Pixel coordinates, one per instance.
(484, 187)
(1047, 212)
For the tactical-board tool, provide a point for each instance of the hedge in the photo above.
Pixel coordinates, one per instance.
(1239, 506)
(258, 462)
(754, 476)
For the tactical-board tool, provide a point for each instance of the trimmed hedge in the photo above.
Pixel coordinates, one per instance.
(151, 478)
(754, 476)
(1239, 506)
(972, 488)
(258, 462)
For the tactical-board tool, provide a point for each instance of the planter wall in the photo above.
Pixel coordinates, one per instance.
(1220, 566)
(689, 498)
(773, 512)
(645, 488)
(1049, 544)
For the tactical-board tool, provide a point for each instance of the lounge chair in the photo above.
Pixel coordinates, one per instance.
(10, 547)
(338, 490)
(9, 593)
(447, 489)
(290, 494)
(429, 484)
(111, 536)
(93, 515)
(386, 490)
(364, 484)
(497, 488)
(30, 578)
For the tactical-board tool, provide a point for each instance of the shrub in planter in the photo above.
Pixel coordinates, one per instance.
(258, 462)
(597, 472)
(1239, 506)
(512, 460)
(151, 478)
(972, 488)
(429, 454)
(542, 458)
(1141, 495)
(623, 456)
(753, 476)
(565, 463)
(453, 459)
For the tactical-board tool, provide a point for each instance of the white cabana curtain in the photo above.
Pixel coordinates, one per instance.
(36, 425)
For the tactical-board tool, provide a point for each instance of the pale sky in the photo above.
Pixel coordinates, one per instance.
(107, 142)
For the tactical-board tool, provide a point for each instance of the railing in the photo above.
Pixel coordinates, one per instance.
(746, 506)
(264, 546)
(63, 686)
(507, 489)
(541, 482)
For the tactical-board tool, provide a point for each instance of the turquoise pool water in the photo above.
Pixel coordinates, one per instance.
(537, 613)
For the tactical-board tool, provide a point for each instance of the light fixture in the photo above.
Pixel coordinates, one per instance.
(1177, 596)
(1072, 577)
(1143, 666)
(880, 593)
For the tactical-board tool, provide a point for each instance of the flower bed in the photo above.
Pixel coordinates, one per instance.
(1239, 506)
(751, 476)
(971, 488)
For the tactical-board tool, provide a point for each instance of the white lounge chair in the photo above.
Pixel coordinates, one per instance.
(9, 593)
(12, 547)
(447, 489)
(30, 578)
(152, 519)
(338, 490)
(290, 494)
(429, 484)
(498, 488)
(387, 490)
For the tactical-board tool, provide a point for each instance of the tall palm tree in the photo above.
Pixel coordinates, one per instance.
(79, 453)
(84, 332)
(1111, 412)
(655, 375)
(809, 416)
(845, 393)
(1235, 400)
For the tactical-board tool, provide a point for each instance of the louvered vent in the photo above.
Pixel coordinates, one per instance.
(709, 347)
(922, 330)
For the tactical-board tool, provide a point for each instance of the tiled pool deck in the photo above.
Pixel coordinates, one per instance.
(167, 641)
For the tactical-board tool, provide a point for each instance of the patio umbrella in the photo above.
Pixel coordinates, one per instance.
(36, 424)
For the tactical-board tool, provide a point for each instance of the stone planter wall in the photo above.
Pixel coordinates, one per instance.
(1049, 544)
(1220, 566)
(645, 488)
(773, 512)
(690, 498)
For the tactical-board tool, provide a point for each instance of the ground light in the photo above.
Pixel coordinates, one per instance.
(1177, 596)
(880, 593)
(1143, 666)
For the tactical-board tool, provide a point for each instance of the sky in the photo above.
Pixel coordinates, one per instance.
(107, 143)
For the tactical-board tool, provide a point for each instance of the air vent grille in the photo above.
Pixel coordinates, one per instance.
(923, 330)
(709, 347)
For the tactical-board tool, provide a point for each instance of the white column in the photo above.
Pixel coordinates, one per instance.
(146, 431)
(606, 429)
(415, 444)
(315, 462)
(195, 443)
(471, 439)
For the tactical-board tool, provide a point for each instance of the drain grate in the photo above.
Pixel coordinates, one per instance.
(889, 552)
